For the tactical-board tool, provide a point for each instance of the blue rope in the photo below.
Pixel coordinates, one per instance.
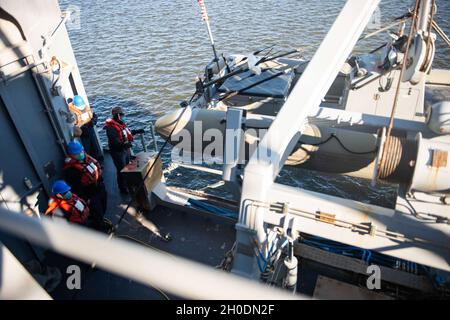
(259, 264)
(268, 256)
(213, 209)
(363, 254)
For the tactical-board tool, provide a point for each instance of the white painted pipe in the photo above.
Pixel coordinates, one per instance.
(424, 15)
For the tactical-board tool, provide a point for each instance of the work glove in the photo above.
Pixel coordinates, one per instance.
(137, 131)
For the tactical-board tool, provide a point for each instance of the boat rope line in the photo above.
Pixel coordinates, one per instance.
(383, 29)
(334, 136)
(148, 172)
(263, 49)
(265, 58)
(231, 94)
(402, 70)
(426, 61)
(242, 68)
(440, 32)
(280, 55)
(387, 25)
(125, 236)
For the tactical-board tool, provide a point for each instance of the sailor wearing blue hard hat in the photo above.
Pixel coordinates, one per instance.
(81, 109)
(73, 208)
(61, 189)
(86, 120)
(79, 103)
(84, 174)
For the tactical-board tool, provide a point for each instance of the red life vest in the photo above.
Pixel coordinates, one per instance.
(122, 130)
(76, 208)
(89, 168)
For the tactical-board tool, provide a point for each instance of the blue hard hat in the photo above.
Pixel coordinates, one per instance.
(74, 147)
(60, 186)
(79, 102)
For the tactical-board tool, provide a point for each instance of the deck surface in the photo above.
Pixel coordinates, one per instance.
(195, 237)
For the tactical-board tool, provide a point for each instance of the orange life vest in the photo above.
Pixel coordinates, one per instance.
(122, 130)
(76, 208)
(89, 168)
(82, 116)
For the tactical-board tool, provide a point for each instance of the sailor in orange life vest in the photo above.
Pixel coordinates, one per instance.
(73, 208)
(86, 120)
(84, 174)
(119, 141)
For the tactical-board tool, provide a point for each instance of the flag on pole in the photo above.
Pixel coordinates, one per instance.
(203, 12)
(205, 19)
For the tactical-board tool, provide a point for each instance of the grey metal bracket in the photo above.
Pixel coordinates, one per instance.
(234, 142)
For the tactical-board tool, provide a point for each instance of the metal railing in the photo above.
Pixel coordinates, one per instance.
(176, 275)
